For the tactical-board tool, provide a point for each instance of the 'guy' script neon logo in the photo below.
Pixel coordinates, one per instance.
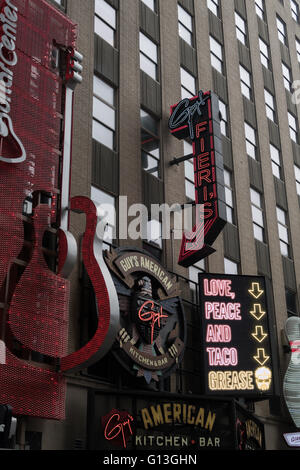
(184, 113)
(151, 316)
(114, 428)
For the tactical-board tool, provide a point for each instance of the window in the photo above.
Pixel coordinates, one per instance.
(230, 267)
(270, 106)
(281, 29)
(154, 233)
(297, 176)
(151, 4)
(250, 141)
(293, 127)
(298, 49)
(240, 28)
(150, 144)
(282, 231)
(295, 10)
(287, 81)
(223, 118)
(194, 270)
(189, 171)
(245, 82)
(291, 302)
(264, 53)
(257, 215)
(275, 159)
(103, 113)
(260, 9)
(108, 204)
(148, 56)
(214, 6)
(188, 84)
(185, 25)
(105, 21)
(216, 54)
(228, 196)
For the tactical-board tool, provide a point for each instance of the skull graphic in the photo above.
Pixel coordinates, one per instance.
(263, 377)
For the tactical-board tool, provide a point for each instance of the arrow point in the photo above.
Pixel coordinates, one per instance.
(255, 290)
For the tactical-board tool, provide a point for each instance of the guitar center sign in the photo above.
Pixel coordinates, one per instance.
(198, 119)
(236, 353)
(151, 338)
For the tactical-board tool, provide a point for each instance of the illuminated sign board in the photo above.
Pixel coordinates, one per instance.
(198, 119)
(150, 342)
(236, 347)
(190, 424)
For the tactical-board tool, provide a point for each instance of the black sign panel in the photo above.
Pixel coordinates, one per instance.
(237, 358)
(143, 421)
(249, 430)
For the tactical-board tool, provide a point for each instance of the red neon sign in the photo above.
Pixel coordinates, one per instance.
(118, 427)
(198, 119)
(151, 316)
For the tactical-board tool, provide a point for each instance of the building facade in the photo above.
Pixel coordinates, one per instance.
(140, 57)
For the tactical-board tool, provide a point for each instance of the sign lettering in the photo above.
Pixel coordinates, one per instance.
(8, 59)
(198, 119)
(236, 348)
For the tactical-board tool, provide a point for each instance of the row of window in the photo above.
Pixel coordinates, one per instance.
(105, 119)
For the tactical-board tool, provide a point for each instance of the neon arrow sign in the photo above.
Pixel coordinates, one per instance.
(198, 119)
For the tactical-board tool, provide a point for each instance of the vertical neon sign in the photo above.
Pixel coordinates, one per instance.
(198, 119)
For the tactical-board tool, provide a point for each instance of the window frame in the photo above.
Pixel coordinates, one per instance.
(189, 168)
(224, 124)
(213, 54)
(146, 2)
(294, 10)
(228, 263)
(260, 9)
(287, 80)
(285, 227)
(241, 33)
(214, 6)
(297, 178)
(297, 41)
(111, 225)
(245, 85)
(185, 91)
(270, 108)
(264, 57)
(276, 162)
(293, 131)
(151, 60)
(250, 142)
(184, 27)
(106, 104)
(156, 137)
(281, 35)
(108, 25)
(257, 207)
(229, 201)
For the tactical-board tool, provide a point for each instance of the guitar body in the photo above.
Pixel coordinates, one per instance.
(39, 308)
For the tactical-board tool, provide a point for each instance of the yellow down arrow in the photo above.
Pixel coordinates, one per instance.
(261, 356)
(257, 312)
(259, 334)
(255, 290)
